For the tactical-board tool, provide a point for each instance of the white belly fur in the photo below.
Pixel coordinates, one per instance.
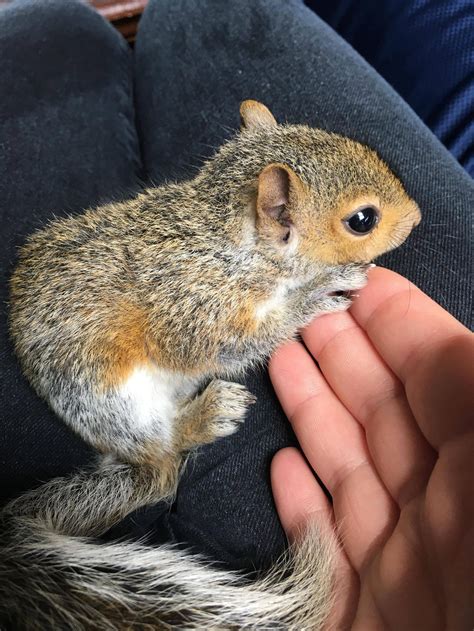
(153, 396)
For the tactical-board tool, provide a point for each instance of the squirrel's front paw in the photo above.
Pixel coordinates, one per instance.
(215, 413)
(331, 304)
(349, 277)
(333, 295)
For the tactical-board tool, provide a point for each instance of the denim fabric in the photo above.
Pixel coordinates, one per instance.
(67, 141)
(425, 50)
(194, 62)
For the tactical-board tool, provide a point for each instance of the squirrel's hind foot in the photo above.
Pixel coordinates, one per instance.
(215, 413)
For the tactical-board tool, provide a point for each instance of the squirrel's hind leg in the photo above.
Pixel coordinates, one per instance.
(167, 403)
(215, 413)
(152, 416)
(132, 420)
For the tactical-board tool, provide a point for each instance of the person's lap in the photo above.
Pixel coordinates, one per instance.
(194, 62)
(67, 140)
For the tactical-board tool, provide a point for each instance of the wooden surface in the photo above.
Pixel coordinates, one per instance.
(124, 14)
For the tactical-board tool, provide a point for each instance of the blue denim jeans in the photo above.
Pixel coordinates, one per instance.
(84, 119)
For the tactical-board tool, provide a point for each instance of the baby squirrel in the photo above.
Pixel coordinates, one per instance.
(130, 320)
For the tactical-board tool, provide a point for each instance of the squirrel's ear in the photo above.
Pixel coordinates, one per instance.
(279, 190)
(254, 114)
(273, 191)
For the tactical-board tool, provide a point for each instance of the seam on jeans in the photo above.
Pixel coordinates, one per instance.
(129, 135)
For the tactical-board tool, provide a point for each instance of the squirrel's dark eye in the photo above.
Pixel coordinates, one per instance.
(362, 221)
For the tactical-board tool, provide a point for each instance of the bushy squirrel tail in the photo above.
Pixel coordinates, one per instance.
(55, 576)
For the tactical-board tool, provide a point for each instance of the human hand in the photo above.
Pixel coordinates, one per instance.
(386, 422)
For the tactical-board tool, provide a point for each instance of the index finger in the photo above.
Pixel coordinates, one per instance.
(410, 330)
(401, 320)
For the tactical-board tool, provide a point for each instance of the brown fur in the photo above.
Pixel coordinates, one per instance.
(127, 317)
(125, 344)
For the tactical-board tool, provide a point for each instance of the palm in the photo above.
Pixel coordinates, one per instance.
(385, 423)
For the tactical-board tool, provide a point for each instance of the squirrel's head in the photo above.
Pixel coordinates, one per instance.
(319, 194)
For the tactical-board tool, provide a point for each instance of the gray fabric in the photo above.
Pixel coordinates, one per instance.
(67, 141)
